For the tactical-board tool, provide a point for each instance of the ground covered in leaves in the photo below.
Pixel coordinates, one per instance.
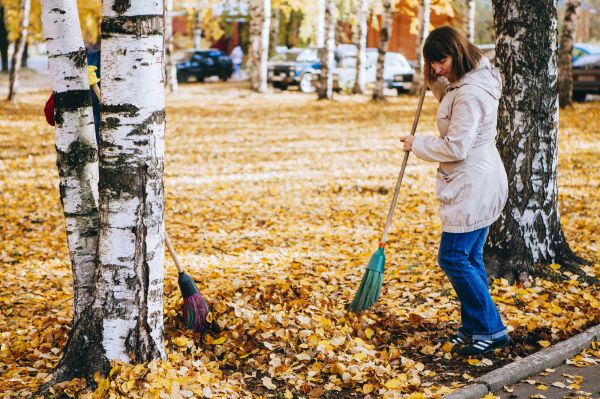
(275, 202)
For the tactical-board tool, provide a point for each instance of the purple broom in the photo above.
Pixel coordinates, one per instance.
(195, 309)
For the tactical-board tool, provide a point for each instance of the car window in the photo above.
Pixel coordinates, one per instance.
(577, 52)
(197, 57)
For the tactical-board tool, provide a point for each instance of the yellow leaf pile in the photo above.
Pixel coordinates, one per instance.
(275, 203)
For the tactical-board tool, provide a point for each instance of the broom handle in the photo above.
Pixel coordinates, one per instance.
(404, 162)
(180, 268)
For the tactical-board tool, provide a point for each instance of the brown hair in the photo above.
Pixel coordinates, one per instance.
(447, 41)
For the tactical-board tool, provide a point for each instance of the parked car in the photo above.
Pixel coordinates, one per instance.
(586, 76)
(201, 64)
(397, 72)
(296, 67)
(582, 49)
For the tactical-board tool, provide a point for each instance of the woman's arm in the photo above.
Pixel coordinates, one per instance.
(467, 111)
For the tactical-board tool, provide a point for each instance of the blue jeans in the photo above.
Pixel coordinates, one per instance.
(461, 258)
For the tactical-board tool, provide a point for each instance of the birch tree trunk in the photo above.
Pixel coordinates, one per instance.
(565, 69)
(274, 34)
(320, 40)
(77, 152)
(424, 12)
(254, 54)
(328, 57)
(361, 56)
(264, 46)
(170, 70)
(198, 26)
(125, 322)
(528, 232)
(469, 20)
(384, 38)
(13, 84)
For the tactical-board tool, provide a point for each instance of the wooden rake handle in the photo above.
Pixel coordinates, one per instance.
(180, 268)
(401, 176)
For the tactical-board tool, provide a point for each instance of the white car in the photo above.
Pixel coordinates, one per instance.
(397, 72)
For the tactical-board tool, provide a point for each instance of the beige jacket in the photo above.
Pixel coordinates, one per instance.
(471, 181)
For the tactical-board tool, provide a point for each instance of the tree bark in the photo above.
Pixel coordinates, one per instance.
(325, 90)
(3, 41)
(264, 46)
(565, 68)
(76, 148)
(13, 85)
(384, 38)
(320, 39)
(361, 45)
(198, 26)
(528, 232)
(274, 35)
(254, 54)
(77, 161)
(424, 12)
(469, 20)
(125, 320)
(170, 70)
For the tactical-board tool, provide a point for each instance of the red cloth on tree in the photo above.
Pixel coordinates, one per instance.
(49, 110)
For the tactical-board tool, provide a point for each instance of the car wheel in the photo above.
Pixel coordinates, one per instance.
(401, 90)
(279, 85)
(224, 77)
(200, 78)
(579, 96)
(182, 77)
(306, 85)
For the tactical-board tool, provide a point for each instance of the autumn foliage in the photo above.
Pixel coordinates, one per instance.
(275, 202)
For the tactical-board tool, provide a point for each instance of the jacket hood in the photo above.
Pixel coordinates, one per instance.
(484, 76)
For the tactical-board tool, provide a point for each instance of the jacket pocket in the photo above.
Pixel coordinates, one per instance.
(450, 188)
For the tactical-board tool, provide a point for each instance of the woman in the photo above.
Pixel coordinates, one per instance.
(471, 180)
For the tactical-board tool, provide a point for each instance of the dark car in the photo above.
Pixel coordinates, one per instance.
(201, 64)
(586, 76)
(295, 68)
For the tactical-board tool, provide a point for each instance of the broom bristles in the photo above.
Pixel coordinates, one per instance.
(195, 312)
(370, 285)
(368, 292)
(195, 309)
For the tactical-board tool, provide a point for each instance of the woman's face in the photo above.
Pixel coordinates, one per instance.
(443, 67)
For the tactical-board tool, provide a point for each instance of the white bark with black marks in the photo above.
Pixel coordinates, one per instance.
(17, 58)
(384, 38)
(325, 90)
(254, 52)
(528, 232)
(320, 35)
(361, 56)
(131, 237)
(424, 13)
(565, 57)
(264, 46)
(170, 70)
(470, 20)
(77, 152)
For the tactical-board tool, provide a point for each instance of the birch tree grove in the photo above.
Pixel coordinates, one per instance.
(528, 232)
(77, 152)
(13, 84)
(384, 38)
(565, 56)
(361, 56)
(328, 57)
(424, 12)
(125, 319)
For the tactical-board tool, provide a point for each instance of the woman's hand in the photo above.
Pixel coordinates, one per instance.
(407, 140)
